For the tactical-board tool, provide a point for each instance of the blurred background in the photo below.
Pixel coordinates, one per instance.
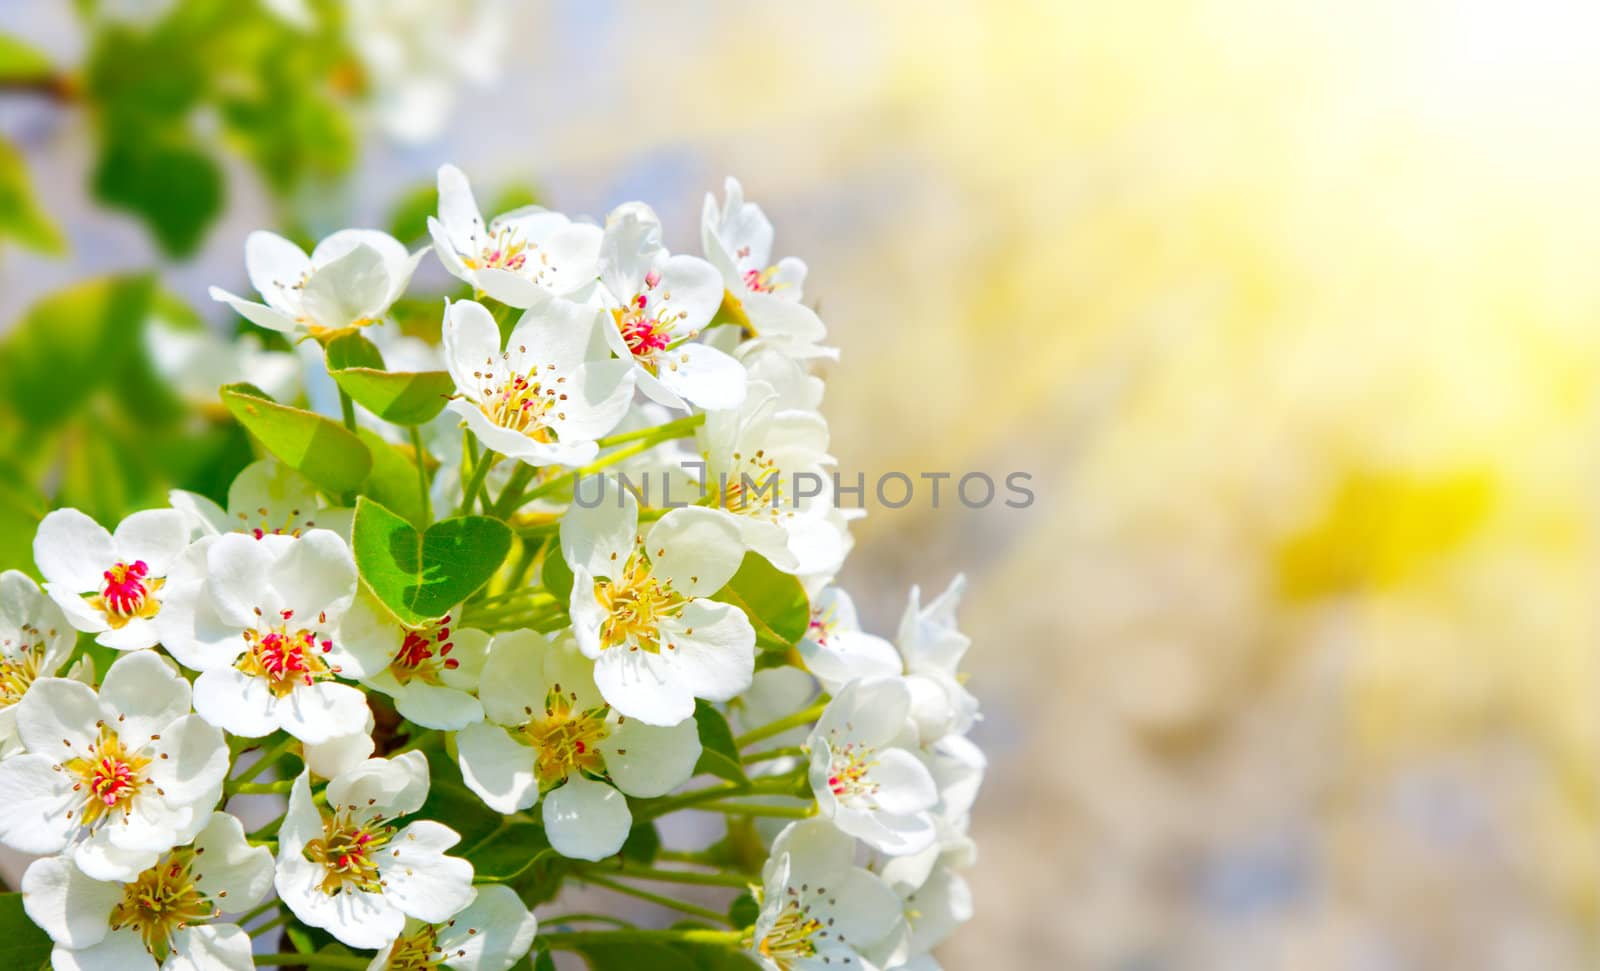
(1289, 308)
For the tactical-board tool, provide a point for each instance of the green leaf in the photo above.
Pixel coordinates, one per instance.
(22, 62)
(608, 955)
(393, 481)
(544, 961)
(403, 397)
(507, 852)
(424, 575)
(718, 755)
(21, 218)
(70, 344)
(326, 452)
(23, 945)
(774, 601)
(642, 844)
(349, 350)
(556, 575)
(165, 180)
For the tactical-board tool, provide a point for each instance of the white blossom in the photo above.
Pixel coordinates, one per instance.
(110, 585)
(350, 280)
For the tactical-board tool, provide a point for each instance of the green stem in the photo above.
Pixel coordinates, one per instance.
(574, 940)
(511, 495)
(697, 857)
(703, 913)
(786, 785)
(799, 718)
(257, 911)
(480, 472)
(756, 809)
(259, 788)
(772, 753)
(313, 961)
(267, 759)
(273, 924)
(422, 473)
(560, 919)
(664, 876)
(672, 429)
(514, 580)
(348, 408)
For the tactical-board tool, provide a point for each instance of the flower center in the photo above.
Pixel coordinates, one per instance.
(754, 488)
(822, 624)
(292, 526)
(522, 404)
(161, 901)
(286, 658)
(109, 778)
(422, 656)
(504, 251)
(760, 281)
(129, 592)
(567, 741)
(348, 850)
(20, 669)
(848, 771)
(646, 323)
(635, 604)
(418, 951)
(790, 938)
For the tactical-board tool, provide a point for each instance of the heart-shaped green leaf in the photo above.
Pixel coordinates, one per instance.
(349, 349)
(326, 452)
(420, 576)
(774, 601)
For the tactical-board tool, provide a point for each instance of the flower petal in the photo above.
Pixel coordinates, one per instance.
(600, 539)
(37, 799)
(142, 694)
(643, 685)
(73, 909)
(698, 550)
(646, 760)
(236, 702)
(419, 879)
(586, 820)
(704, 376)
(73, 551)
(713, 649)
(497, 767)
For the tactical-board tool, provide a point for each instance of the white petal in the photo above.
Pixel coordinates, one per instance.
(491, 934)
(472, 347)
(597, 399)
(118, 951)
(205, 517)
(871, 710)
(397, 785)
(844, 655)
(316, 575)
(600, 539)
(155, 536)
(698, 550)
(437, 706)
(73, 551)
(704, 376)
(714, 649)
(236, 702)
(513, 677)
(339, 755)
(73, 909)
(317, 712)
(643, 685)
(555, 332)
(276, 267)
(647, 761)
(234, 874)
(419, 879)
(190, 759)
(257, 313)
(361, 920)
(509, 288)
(57, 717)
(497, 767)
(458, 209)
(211, 947)
(904, 784)
(142, 695)
(37, 799)
(586, 820)
(351, 289)
(100, 859)
(237, 567)
(135, 635)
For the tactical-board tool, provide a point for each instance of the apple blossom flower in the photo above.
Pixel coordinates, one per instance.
(640, 607)
(755, 456)
(837, 650)
(549, 394)
(110, 585)
(818, 909)
(354, 870)
(419, 53)
(932, 648)
(35, 641)
(521, 257)
(432, 671)
(659, 303)
(737, 240)
(115, 777)
(491, 934)
(551, 733)
(863, 772)
(167, 917)
(258, 619)
(350, 280)
(266, 498)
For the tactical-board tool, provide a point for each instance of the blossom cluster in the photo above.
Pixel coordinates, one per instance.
(362, 667)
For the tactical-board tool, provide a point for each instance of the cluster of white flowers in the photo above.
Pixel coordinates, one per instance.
(251, 630)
